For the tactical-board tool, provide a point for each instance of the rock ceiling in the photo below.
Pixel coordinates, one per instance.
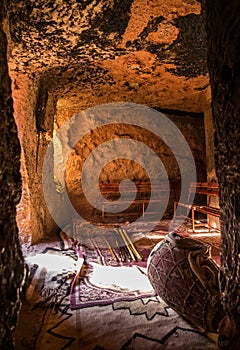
(89, 52)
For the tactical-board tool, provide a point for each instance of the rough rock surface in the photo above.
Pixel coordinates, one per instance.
(11, 260)
(223, 28)
(192, 129)
(80, 47)
(66, 56)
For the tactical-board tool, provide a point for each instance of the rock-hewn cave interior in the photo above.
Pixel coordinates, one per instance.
(74, 75)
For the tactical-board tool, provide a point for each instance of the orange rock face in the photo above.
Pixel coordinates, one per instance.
(65, 57)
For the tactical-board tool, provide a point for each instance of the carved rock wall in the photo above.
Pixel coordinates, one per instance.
(192, 129)
(34, 220)
(223, 28)
(11, 260)
(78, 54)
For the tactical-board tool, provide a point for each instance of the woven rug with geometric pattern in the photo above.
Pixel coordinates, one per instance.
(104, 280)
(145, 323)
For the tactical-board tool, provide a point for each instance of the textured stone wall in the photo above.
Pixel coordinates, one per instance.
(209, 135)
(191, 126)
(34, 117)
(11, 261)
(210, 160)
(223, 29)
(78, 54)
(81, 46)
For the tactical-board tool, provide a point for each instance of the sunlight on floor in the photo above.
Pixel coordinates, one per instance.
(54, 262)
(127, 278)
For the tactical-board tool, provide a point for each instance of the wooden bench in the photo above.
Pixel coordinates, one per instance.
(209, 190)
(157, 190)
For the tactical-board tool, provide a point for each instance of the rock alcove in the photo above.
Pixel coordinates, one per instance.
(67, 57)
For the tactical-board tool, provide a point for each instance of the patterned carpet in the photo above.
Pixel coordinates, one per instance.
(50, 275)
(105, 279)
(143, 324)
(49, 321)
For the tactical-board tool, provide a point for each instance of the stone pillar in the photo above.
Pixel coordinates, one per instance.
(209, 136)
(210, 154)
(34, 109)
(11, 260)
(223, 35)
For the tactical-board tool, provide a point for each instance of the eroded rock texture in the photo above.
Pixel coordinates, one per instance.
(11, 262)
(67, 56)
(92, 52)
(119, 169)
(223, 27)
